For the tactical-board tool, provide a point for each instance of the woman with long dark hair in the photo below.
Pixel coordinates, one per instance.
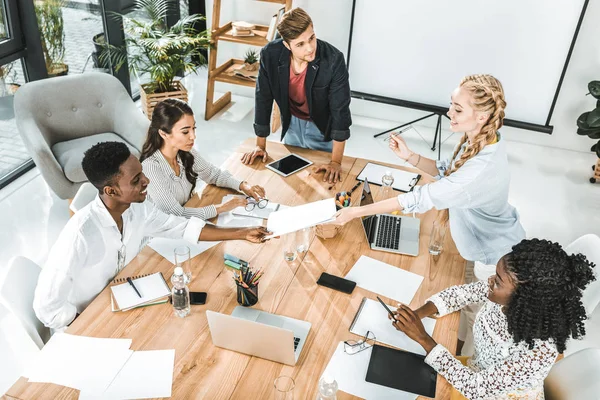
(173, 166)
(531, 307)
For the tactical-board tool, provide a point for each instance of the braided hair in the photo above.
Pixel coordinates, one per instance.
(546, 303)
(487, 95)
(165, 115)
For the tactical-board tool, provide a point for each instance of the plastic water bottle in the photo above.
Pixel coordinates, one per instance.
(328, 388)
(180, 294)
(387, 180)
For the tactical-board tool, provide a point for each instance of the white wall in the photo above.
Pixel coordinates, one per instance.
(332, 23)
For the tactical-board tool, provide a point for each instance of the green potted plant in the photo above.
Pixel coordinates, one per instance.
(251, 60)
(588, 124)
(161, 52)
(52, 31)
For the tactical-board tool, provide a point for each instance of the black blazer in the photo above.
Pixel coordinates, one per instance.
(326, 84)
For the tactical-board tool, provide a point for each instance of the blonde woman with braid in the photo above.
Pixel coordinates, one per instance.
(472, 186)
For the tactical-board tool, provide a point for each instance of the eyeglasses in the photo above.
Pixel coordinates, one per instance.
(352, 347)
(262, 203)
(121, 257)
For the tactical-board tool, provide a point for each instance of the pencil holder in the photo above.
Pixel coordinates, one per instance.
(247, 297)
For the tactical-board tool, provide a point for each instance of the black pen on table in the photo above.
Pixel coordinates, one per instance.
(133, 286)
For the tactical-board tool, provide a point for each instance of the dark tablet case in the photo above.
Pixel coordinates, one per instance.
(401, 370)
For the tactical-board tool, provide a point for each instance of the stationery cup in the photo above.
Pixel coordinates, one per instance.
(247, 297)
(284, 387)
(290, 247)
(182, 259)
(436, 240)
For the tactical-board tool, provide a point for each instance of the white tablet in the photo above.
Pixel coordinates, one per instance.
(289, 164)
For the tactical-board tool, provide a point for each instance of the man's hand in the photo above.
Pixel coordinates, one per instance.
(248, 158)
(231, 204)
(332, 172)
(257, 192)
(256, 235)
(408, 321)
(344, 216)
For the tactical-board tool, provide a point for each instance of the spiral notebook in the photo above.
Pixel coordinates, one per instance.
(152, 287)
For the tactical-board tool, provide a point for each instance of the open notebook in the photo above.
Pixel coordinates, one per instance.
(153, 288)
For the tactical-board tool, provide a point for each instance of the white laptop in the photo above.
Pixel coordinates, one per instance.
(388, 232)
(259, 333)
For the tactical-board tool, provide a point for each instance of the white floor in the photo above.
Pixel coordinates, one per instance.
(549, 187)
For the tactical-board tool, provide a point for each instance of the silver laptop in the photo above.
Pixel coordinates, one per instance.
(259, 333)
(388, 232)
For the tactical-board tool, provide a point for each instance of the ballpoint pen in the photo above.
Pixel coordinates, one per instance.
(133, 286)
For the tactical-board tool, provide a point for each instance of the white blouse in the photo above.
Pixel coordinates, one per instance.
(170, 192)
(499, 368)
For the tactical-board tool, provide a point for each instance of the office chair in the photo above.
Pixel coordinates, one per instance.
(576, 377)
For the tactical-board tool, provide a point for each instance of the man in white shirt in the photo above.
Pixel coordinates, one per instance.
(103, 237)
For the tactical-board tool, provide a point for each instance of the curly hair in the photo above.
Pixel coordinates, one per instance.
(487, 95)
(165, 115)
(546, 303)
(102, 162)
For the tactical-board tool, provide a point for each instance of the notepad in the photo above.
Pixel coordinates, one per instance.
(152, 288)
(403, 180)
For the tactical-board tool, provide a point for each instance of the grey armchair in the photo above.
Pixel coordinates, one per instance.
(60, 118)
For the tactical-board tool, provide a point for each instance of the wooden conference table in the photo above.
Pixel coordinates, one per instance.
(204, 371)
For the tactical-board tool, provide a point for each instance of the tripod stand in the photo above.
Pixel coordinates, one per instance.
(438, 130)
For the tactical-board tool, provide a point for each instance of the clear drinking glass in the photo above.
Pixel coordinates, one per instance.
(284, 387)
(182, 259)
(290, 246)
(303, 237)
(436, 240)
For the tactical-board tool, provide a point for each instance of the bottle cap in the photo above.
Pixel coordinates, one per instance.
(178, 271)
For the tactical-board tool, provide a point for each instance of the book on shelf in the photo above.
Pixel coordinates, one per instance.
(242, 28)
(245, 74)
(237, 32)
(153, 289)
(272, 32)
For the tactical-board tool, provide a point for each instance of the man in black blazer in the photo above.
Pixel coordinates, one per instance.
(308, 79)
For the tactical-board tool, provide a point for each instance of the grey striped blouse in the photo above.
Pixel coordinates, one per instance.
(170, 192)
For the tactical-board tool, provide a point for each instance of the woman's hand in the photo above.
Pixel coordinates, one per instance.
(256, 192)
(257, 234)
(345, 215)
(398, 146)
(231, 204)
(408, 321)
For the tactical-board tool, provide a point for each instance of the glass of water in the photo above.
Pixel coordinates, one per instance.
(182, 259)
(284, 387)
(290, 247)
(303, 238)
(436, 240)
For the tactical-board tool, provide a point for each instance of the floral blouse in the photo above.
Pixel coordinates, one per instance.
(499, 368)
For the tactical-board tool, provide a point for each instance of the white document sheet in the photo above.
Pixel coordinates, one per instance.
(293, 219)
(350, 372)
(403, 180)
(80, 362)
(373, 317)
(228, 220)
(166, 247)
(385, 279)
(151, 287)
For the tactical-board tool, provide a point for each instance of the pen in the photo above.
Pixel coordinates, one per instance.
(133, 286)
(355, 186)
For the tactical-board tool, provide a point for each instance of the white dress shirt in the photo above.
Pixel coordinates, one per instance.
(90, 251)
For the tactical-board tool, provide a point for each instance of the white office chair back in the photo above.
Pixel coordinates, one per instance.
(85, 194)
(16, 294)
(576, 377)
(589, 245)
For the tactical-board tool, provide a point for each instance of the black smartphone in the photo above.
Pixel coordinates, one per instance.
(387, 308)
(336, 283)
(197, 297)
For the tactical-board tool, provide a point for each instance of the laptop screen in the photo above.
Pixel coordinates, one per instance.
(368, 222)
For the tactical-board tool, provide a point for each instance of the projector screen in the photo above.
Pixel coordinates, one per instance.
(420, 49)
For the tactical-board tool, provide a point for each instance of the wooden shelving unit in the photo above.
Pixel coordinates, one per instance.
(224, 72)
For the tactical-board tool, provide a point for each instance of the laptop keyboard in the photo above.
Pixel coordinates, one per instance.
(296, 341)
(388, 232)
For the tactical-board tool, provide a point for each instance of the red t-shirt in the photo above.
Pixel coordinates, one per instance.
(298, 103)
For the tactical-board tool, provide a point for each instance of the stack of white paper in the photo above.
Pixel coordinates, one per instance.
(166, 247)
(103, 368)
(385, 279)
(293, 219)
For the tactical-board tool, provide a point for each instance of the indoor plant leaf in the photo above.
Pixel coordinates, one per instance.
(594, 88)
(593, 118)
